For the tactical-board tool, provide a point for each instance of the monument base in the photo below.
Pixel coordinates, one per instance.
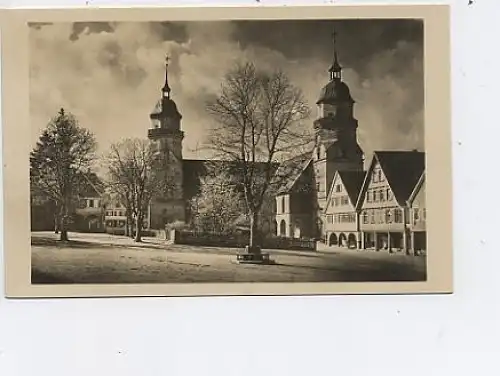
(253, 255)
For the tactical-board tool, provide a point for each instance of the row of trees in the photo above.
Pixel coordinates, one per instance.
(62, 161)
(258, 123)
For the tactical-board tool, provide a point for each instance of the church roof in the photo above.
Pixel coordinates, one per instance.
(195, 169)
(402, 170)
(335, 91)
(166, 107)
(290, 171)
(353, 181)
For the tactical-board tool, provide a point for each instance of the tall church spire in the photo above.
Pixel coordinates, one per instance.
(335, 70)
(166, 88)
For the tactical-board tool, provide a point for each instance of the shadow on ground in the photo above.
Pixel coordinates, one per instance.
(80, 261)
(38, 277)
(49, 242)
(363, 272)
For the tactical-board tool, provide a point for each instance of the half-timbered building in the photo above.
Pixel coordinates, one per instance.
(341, 219)
(382, 203)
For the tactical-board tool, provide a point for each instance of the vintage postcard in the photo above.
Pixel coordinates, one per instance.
(227, 151)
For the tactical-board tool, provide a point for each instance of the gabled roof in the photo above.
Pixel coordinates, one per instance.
(290, 171)
(352, 182)
(415, 191)
(402, 169)
(90, 185)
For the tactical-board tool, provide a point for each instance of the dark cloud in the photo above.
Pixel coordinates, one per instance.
(38, 25)
(110, 74)
(171, 31)
(89, 28)
(357, 40)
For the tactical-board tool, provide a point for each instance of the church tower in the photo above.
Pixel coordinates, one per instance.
(167, 136)
(336, 146)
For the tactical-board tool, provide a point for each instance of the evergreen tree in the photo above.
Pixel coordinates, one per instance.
(58, 163)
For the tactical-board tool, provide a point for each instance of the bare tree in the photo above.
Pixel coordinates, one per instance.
(58, 165)
(136, 175)
(259, 119)
(219, 203)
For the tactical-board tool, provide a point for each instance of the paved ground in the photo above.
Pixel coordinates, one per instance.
(102, 258)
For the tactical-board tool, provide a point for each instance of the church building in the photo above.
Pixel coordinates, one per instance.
(302, 205)
(301, 201)
(336, 149)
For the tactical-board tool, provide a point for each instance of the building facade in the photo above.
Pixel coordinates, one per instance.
(418, 216)
(89, 214)
(295, 200)
(382, 203)
(115, 219)
(341, 218)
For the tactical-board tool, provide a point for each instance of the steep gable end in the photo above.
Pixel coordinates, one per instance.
(352, 180)
(335, 181)
(402, 170)
(345, 184)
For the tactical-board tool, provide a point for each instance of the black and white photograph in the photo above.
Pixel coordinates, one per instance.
(228, 151)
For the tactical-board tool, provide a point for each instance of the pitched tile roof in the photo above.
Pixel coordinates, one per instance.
(289, 172)
(353, 181)
(402, 170)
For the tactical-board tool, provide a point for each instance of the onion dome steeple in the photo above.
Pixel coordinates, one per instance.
(165, 114)
(335, 91)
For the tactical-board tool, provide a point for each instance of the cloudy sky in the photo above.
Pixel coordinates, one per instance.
(110, 74)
